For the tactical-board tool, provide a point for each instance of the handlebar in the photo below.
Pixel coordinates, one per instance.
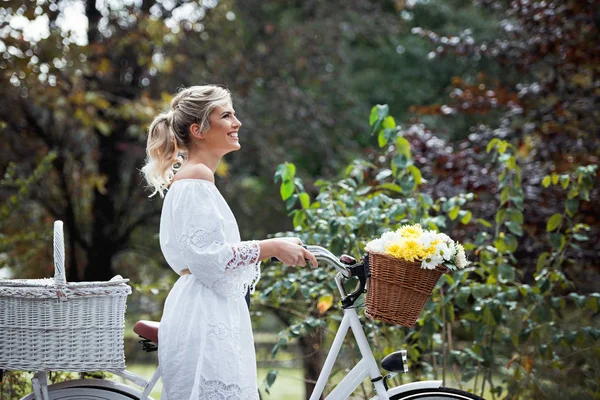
(322, 254)
(347, 268)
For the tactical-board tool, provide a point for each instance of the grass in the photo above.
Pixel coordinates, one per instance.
(288, 386)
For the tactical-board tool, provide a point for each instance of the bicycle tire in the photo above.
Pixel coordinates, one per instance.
(441, 393)
(87, 392)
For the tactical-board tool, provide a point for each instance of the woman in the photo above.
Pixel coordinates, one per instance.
(206, 345)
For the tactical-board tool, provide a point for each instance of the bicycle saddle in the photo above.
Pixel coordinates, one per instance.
(147, 329)
(395, 362)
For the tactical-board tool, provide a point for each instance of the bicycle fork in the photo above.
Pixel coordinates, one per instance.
(366, 367)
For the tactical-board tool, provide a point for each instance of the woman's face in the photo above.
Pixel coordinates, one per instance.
(222, 136)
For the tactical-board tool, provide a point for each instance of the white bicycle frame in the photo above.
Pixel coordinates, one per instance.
(367, 366)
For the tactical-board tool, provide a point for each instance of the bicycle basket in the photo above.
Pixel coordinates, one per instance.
(49, 324)
(398, 289)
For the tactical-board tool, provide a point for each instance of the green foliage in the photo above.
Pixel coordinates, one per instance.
(519, 331)
(17, 384)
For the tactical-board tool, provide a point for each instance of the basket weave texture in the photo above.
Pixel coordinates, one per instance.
(48, 324)
(399, 289)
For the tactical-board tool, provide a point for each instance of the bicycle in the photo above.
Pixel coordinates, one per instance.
(347, 268)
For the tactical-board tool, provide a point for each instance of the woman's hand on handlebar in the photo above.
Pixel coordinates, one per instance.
(289, 251)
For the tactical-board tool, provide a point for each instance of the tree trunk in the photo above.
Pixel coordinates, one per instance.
(312, 358)
(104, 232)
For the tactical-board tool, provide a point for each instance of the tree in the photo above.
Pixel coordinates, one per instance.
(543, 104)
(88, 100)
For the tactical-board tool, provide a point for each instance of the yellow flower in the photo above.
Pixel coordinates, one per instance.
(431, 249)
(408, 249)
(412, 231)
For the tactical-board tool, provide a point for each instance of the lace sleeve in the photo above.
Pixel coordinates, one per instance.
(228, 268)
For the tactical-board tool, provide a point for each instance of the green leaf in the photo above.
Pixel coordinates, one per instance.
(515, 215)
(304, 199)
(400, 161)
(299, 218)
(407, 183)
(381, 139)
(378, 114)
(511, 243)
(416, 173)
(541, 261)
(484, 222)
(511, 163)
(506, 273)
(454, 213)
(557, 240)
(383, 175)
(103, 127)
(290, 170)
(473, 354)
(373, 117)
(546, 181)
(382, 110)
(554, 222)
(467, 218)
(389, 122)
(491, 144)
(299, 184)
(384, 136)
(403, 146)
(554, 178)
(518, 201)
(291, 202)
(502, 145)
(271, 376)
(514, 228)
(571, 206)
(564, 181)
(505, 195)
(363, 190)
(279, 172)
(392, 187)
(286, 189)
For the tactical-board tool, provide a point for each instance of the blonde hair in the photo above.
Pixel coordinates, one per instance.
(169, 133)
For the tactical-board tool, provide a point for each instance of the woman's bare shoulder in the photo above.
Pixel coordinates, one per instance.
(195, 171)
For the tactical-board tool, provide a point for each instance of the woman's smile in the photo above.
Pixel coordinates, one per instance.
(233, 134)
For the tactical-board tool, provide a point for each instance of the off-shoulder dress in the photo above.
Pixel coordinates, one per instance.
(206, 346)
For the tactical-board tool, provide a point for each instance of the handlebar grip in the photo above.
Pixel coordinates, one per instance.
(275, 259)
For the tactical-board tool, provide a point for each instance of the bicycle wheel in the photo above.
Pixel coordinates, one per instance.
(441, 393)
(89, 389)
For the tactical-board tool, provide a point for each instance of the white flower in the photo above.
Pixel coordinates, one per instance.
(428, 238)
(444, 238)
(389, 237)
(461, 258)
(444, 250)
(431, 262)
(376, 245)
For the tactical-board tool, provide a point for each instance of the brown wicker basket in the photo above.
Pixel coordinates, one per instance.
(398, 289)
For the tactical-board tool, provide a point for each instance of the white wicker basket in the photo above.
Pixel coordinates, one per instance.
(49, 324)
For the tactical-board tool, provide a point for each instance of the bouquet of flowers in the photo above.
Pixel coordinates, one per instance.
(413, 243)
(405, 265)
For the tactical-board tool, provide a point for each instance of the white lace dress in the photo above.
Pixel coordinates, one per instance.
(206, 347)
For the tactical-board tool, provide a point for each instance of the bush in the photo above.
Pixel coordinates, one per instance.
(529, 331)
